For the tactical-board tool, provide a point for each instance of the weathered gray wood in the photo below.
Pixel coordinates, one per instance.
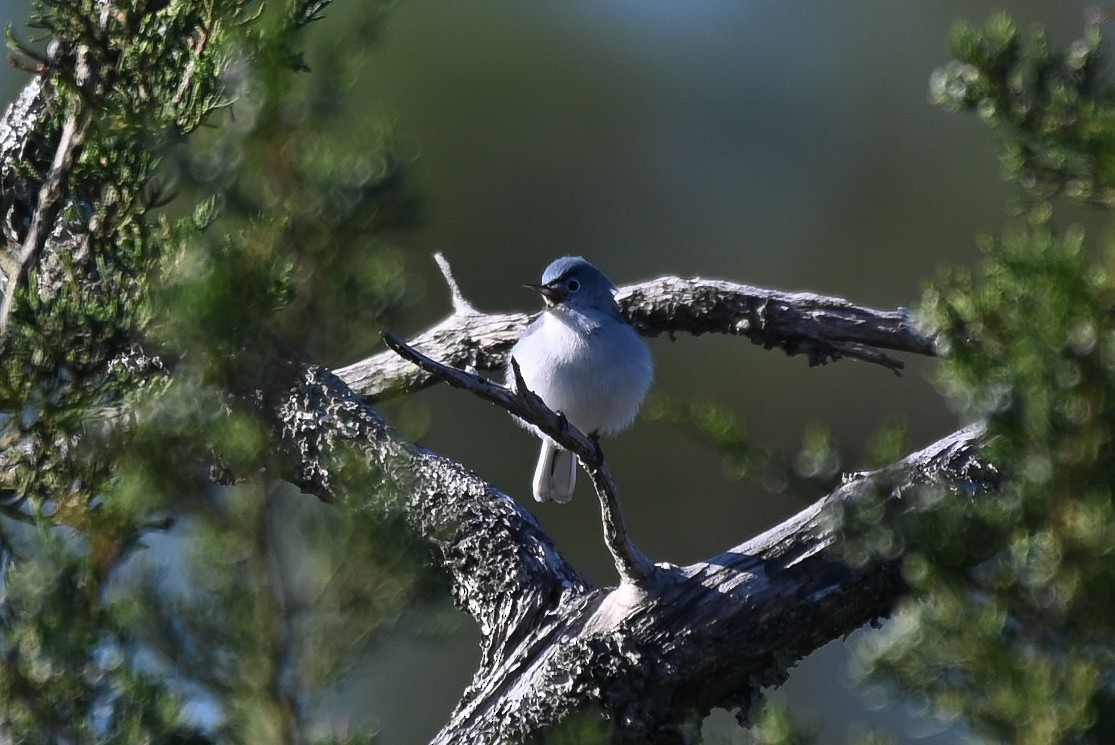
(710, 634)
(822, 328)
(682, 640)
(22, 130)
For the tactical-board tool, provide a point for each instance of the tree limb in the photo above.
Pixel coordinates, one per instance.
(678, 640)
(633, 566)
(714, 636)
(822, 328)
(505, 570)
(710, 634)
(51, 196)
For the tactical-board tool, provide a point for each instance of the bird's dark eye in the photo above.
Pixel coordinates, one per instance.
(572, 285)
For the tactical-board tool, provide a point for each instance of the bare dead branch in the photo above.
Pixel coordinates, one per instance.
(711, 634)
(716, 635)
(51, 195)
(633, 566)
(461, 306)
(504, 569)
(824, 329)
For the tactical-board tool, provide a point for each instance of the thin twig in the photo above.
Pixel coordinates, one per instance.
(461, 306)
(50, 203)
(631, 563)
(633, 566)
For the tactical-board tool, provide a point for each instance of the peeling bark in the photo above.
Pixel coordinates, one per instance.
(652, 653)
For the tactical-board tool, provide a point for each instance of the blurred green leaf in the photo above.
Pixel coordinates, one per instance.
(1014, 591)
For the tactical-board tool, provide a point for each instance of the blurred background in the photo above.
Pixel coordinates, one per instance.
(785, 145)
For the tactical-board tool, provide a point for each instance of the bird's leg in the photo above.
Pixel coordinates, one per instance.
(594, 436)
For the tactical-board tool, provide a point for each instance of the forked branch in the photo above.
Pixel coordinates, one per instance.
(633, 566)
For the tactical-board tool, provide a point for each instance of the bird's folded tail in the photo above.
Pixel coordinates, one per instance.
(555, 475)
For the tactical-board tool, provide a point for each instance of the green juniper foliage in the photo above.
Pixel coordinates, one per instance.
(813, 472)
(1051, 107)
(63, 661)
(193, 254)
(1011, 621)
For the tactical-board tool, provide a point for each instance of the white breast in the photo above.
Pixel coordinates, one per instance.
(596, 371)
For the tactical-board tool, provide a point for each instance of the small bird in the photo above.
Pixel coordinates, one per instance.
(584, 361)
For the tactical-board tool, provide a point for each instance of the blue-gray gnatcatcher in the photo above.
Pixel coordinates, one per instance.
(584, 360)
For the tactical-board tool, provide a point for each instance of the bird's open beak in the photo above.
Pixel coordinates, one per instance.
(552, 295)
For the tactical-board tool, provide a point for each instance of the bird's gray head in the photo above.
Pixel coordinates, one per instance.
(574, 282)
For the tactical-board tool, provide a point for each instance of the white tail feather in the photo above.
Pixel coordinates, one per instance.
(555, 475)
